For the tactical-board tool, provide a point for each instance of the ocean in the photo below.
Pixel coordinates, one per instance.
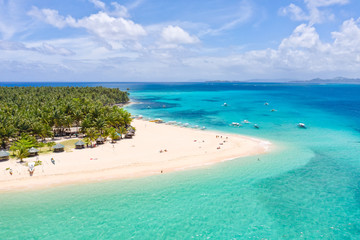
(307, 187)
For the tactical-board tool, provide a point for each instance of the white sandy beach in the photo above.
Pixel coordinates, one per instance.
(129, 158)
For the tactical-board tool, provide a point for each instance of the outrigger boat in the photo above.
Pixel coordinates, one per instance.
(301, 125)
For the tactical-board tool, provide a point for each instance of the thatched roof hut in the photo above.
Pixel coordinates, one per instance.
(33, 151)
(79, 144)
(59, 147)
(4, 155)
(129, 135)
(100, 140)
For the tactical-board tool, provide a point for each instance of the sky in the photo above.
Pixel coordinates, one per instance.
(179, 40)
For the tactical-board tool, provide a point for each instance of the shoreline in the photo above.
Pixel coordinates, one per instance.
(133, 158)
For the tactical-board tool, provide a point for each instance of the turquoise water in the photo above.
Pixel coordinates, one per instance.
(307, 188)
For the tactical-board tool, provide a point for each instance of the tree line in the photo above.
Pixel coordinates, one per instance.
(44, 112)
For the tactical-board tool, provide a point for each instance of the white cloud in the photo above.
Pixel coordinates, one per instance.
(314, 15)
(98, 3)
(111, 30)
(303, 36)
(325, 3)
(295, 13)
(51, 17)
(176, 35)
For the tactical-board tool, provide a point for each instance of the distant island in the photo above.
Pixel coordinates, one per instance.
(337, 80)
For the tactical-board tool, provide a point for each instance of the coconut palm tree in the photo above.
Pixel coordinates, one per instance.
(113, 135)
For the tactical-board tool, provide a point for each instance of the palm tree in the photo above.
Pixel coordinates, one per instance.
(22, 153)
(113, 135)
(92, 134)
(87, 141)
(50, 145)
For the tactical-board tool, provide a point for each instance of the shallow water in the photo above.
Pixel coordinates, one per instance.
(307, 188)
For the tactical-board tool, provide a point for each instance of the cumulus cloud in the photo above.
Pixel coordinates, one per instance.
(176, 35)
(300, 55)
(110, 27)
(315, 14)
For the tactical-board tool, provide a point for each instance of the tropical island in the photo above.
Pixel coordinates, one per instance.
(66, 129)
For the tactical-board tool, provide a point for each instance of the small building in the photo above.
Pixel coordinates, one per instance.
(100, 140)
(132, 131)
(128, 135)
(79, 144)
(33, 152)
(59, 147)
(4, 155)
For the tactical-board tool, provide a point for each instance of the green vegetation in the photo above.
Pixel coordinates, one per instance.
(28, 115)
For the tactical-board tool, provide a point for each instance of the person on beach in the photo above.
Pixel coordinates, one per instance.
(11, 171)
(53, 161)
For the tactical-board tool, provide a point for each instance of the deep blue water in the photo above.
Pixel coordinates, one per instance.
(308, 187)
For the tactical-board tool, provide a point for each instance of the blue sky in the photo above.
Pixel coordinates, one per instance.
(161, 40)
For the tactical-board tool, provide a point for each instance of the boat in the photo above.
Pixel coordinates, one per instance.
(225, 104)
(158, 120)
(235, 124)
(203, 128)
(148, 107)
(273, 110)
(301, 125)
(246, 121)
(256, 126)
(266, 104)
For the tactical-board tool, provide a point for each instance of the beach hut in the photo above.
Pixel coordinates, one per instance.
(4, 155)
(58, 147)
(100, 140)
(33, 151)
(79, 144)
(132, 131)
(129, 135)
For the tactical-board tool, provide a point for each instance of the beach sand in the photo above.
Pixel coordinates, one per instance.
(129, 158)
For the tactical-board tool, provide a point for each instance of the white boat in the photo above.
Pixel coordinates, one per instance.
(203, 128)
(301, 125)
(246, 121)
(266, 104)
(225, 104)
(256, 126)
(235, 124)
